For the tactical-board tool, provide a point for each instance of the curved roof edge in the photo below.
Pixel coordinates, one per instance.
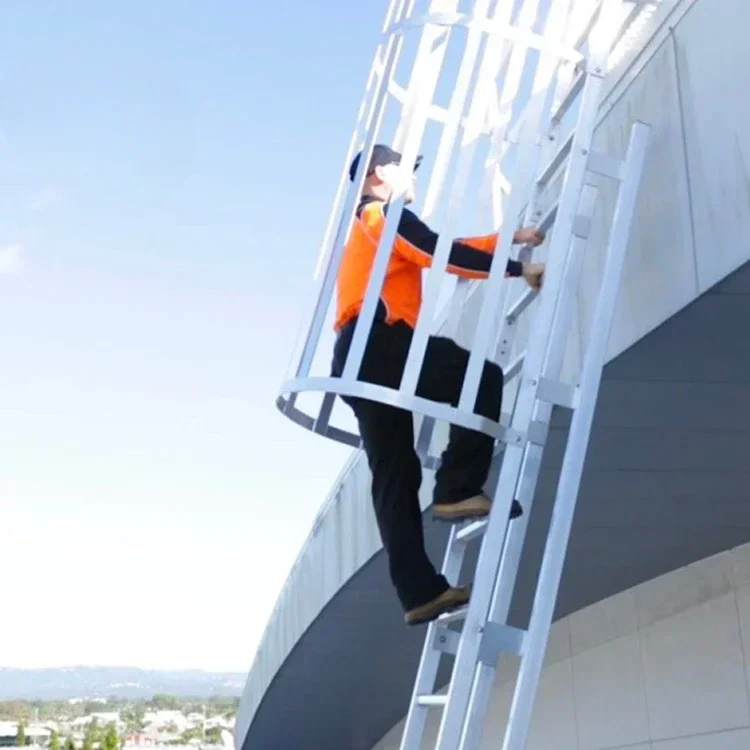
(329, 557)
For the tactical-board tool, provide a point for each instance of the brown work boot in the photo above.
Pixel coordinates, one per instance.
(450, 600)
(473, 507)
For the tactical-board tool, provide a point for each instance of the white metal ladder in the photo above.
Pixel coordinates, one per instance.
(485, 633)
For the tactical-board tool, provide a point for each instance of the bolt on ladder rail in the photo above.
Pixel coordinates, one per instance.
(574, 42)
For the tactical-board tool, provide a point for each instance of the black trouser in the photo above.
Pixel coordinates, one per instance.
(388, 440)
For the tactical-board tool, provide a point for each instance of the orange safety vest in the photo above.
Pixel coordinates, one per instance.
(413, 250)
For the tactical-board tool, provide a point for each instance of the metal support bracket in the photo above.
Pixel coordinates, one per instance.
(558, 393)
(604, 164)
(446, 640)
(537, 433)
(582, 226)
(497, 638)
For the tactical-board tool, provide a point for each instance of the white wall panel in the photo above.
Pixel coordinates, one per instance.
(659, 273)
(678, 683)
(711, 45)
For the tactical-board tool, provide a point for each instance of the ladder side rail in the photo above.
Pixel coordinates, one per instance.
(530, 468)
(489, 67)
(429, 662)
(427, 66)
(575, 454)
(488, 561)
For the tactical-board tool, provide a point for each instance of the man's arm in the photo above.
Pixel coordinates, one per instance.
(469, 258)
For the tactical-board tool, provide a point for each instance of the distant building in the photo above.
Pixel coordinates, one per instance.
(219, 721)
(36, 734)
(166, 719)
(103, 718)
(8, 731)
(137, 739)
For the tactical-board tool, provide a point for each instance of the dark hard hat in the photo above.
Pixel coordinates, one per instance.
(381, 156)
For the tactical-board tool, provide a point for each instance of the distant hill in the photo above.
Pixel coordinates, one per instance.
(123, 682)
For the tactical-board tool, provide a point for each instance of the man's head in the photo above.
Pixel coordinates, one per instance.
(383, 174)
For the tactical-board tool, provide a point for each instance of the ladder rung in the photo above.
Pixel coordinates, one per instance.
(432, 700)
(472, 531)
(521, 304)
(597, 162)
(557, 160)
(458, 614)
(514, 367)
(549, 218)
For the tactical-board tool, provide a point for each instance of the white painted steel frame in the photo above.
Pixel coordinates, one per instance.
(575, 454)
(530, 467)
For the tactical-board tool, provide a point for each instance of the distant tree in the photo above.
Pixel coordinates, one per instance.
(21, 735)
(188, 735)
(162, 702)
(90, 707)
(15, 710)
(54, 741)
(90, 736)
(51, 710)
(110, 741)
(213, 736)
(69, 744)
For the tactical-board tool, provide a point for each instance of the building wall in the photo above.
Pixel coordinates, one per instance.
(662, 666)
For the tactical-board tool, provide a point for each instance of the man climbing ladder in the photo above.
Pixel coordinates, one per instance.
(387, 432)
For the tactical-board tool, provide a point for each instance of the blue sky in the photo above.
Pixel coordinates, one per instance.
(166, 174)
